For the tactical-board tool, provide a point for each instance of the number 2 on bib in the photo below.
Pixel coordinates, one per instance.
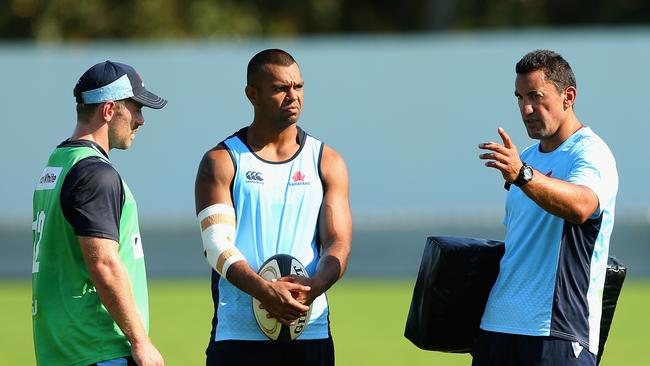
(37, 226)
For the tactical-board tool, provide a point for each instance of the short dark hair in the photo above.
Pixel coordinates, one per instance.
(86, 111)
(555, 68)
(273, 56)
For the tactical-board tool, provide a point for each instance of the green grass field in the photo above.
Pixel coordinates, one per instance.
(367, 324)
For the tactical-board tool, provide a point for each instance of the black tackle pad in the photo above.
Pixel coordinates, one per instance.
(455, 278)
(614, 278)
(454, 281)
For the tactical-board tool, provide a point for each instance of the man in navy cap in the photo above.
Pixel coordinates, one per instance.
(89, 288)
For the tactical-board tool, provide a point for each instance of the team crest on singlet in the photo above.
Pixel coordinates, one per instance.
(298, 179)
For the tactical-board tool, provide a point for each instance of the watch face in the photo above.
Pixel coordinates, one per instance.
(525, 175)
(528, 173)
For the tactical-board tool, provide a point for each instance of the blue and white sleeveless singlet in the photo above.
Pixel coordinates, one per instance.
(552, 273)
(277, 205)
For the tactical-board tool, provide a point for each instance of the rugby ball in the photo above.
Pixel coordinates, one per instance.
(277, 266)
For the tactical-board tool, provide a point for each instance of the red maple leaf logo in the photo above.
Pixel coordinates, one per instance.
(298, 176)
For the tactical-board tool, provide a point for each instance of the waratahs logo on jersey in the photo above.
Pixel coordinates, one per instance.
(298, 179)
(298, 176)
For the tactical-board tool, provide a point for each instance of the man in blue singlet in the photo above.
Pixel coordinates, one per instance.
(271, 188)
(545, 306)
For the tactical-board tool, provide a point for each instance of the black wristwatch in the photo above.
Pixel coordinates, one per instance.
(525, 176)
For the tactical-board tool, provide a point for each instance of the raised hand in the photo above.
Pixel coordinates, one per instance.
(504, 157)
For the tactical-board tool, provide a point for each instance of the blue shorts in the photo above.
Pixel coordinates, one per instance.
(312, 352)
(501, 349)
(121, 361)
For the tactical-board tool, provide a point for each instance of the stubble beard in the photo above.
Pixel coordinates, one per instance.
(285, 122)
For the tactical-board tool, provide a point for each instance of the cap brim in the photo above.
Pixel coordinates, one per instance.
(149, 99)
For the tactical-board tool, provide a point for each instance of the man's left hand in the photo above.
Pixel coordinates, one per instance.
(307, 297)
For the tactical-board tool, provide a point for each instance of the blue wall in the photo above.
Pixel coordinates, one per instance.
(406, 112)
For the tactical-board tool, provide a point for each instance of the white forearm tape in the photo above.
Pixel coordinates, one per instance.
(217, 224)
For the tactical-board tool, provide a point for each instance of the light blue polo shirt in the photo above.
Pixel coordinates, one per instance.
(552, 273)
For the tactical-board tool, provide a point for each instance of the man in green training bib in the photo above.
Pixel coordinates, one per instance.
(89, 287)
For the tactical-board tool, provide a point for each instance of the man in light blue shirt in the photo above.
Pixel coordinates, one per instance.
(545, 306)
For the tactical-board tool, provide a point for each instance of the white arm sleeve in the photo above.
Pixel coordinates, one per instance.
(217, 224)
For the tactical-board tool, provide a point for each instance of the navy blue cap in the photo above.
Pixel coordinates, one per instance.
(114, 81)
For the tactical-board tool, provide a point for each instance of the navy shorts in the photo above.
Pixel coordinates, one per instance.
(120, 361)
(501, 349)
(316, 352)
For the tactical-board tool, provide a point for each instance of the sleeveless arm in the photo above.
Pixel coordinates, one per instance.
(335, 221)
(213, 186)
